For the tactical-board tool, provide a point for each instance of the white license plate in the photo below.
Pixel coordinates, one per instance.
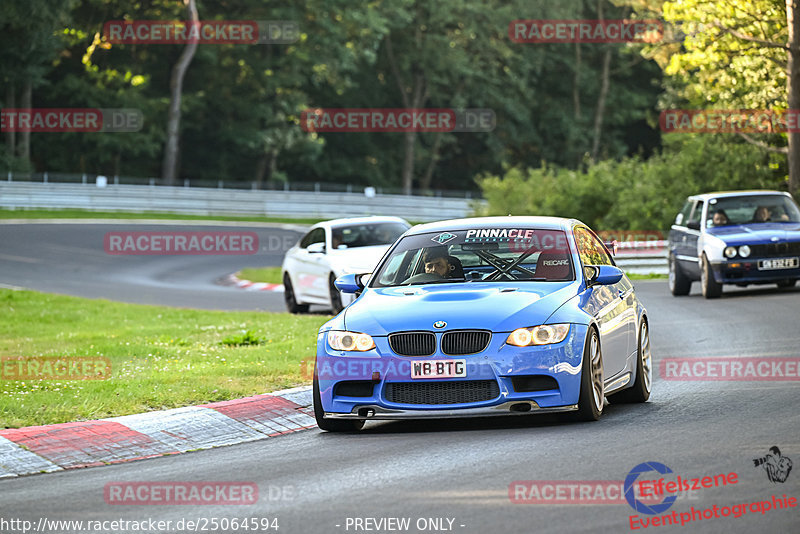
(778, 263)
(438, 368)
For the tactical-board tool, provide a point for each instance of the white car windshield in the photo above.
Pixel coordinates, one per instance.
(725, 211)
(366, 234)
(481, 254)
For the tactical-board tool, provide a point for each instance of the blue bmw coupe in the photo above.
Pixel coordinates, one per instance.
(484, 316)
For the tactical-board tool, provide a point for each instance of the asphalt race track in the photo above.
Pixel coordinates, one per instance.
(312, 482)
(57, 257)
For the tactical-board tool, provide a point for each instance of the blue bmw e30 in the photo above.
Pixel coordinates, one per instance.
(484, 316)
(735, 237)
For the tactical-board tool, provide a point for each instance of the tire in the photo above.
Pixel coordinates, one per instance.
(289, 298)
(679, 284)
(785, 284)
(640, 391)
(590, 403)
(711, 289)
(332, 425)
(335, 295)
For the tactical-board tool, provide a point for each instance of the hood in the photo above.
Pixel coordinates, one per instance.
(756, 233)
(356, 260)
(499, 307)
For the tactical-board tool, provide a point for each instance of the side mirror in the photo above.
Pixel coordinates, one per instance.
(351, 283)
(602, 275)
(679, 219)
(693, 225)
(316, 248)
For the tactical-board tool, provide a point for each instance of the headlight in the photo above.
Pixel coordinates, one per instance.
(744, 251)
(350, 341)
(730, 252)
(546, 334)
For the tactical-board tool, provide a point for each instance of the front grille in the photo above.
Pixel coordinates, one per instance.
(454, 392)
(460, 342)
(771, 250)
(413, 343)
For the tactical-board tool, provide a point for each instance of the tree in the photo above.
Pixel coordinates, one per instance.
(736, 54)
(170, 167)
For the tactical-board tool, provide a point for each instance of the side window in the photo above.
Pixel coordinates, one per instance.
(317, 235)
(590, 249)
(683, 216)
(696, 212)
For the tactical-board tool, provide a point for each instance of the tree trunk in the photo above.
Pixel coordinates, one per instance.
(261, 168)
(793, 90)
(169, 168)
(24, 147)
(576, 97)
(425, 182)
(11, 137)
(601, 105)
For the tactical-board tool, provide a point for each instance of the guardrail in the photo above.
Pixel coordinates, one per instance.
(642, 257)
(208, 201)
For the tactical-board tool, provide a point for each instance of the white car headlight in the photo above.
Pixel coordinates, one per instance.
(744, 251)
(545, 334)
(730, 252)
(350, 341)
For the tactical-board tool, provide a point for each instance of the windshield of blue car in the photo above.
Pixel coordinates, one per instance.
(366, 234)
(726, 211)
(478, 255)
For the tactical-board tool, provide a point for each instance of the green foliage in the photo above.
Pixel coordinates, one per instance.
(247, 338)
(634, 194)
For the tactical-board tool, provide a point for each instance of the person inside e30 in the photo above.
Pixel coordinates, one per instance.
(437, 261)
(720, 218)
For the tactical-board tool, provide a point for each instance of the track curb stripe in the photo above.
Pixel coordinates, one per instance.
(37, 449)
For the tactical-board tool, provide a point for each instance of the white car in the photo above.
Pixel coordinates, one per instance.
(331, 249)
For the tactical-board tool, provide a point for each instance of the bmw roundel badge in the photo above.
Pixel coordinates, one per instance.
(439, 324)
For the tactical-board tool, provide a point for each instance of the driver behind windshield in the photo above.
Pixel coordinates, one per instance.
(438, 260)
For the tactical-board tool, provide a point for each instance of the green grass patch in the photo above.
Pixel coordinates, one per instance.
(160, 357)
(85, 214)
(649, 276)
(270, 275)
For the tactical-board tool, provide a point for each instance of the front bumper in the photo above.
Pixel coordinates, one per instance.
(503, 364)
(507, 408)
(746, 271)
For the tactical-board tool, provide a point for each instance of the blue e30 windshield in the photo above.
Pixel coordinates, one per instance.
(480, 254)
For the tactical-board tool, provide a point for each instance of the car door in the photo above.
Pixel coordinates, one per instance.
(689, 259)
(613, 305)
(311, 282)
(683, 240)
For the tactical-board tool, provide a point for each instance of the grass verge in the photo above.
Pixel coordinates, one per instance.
(160, 357)
(650, 276)
(270, 275)
(84, 214)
